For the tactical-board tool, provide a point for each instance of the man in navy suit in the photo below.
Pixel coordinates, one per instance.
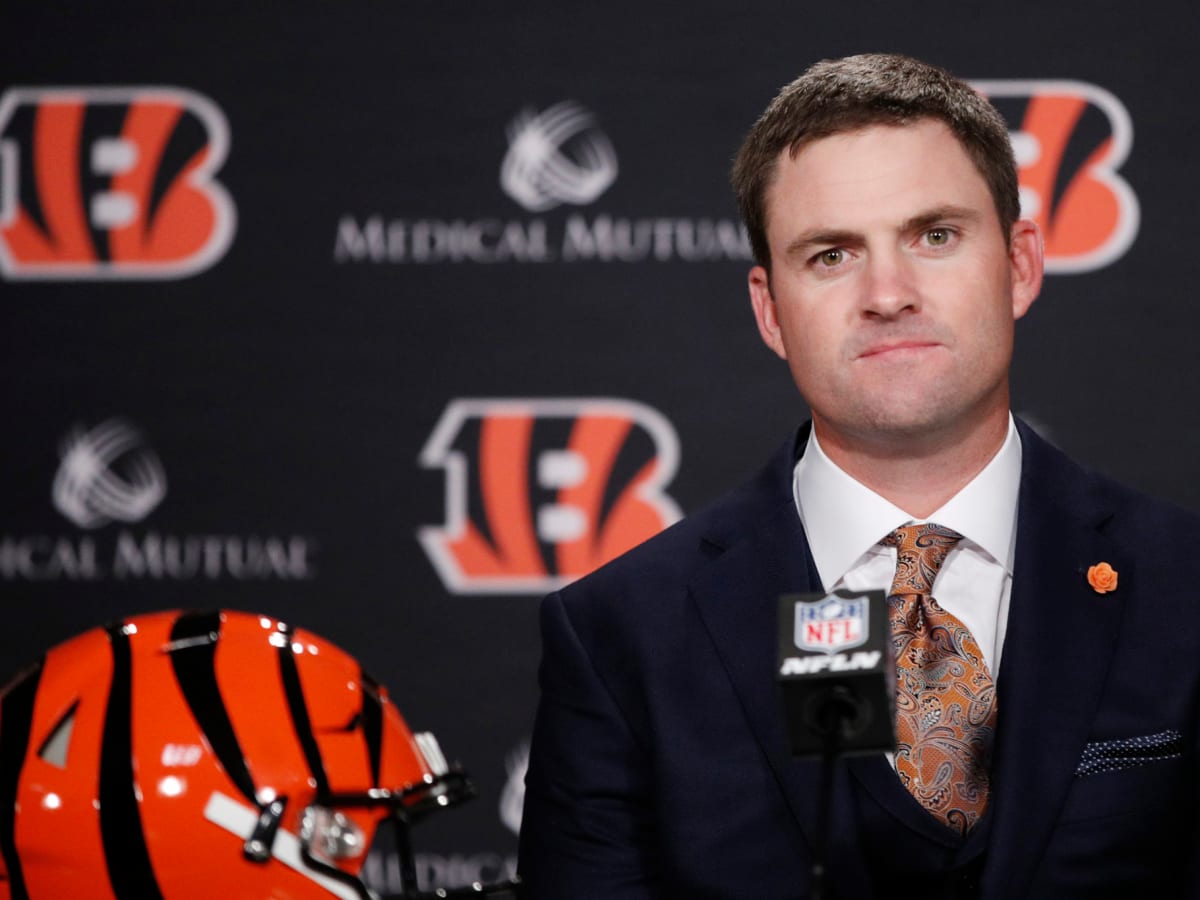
(880, 195)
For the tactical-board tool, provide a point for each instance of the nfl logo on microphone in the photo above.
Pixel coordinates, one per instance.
(832, 624)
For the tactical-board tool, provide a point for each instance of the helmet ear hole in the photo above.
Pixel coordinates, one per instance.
(54, 748)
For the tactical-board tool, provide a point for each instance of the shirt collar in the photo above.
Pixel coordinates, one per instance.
(843, 518)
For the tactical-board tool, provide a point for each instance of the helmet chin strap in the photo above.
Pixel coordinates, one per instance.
(243, 822)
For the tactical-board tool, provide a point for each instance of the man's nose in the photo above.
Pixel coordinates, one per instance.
(890, 286)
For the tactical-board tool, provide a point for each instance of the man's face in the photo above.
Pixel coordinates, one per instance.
(893, 291)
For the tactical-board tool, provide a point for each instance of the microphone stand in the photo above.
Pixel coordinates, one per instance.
(833, 714)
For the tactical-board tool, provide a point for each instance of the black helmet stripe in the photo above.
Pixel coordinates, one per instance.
(372, 724)
(294, 692)
(16, 720)
(194, 639)
(125, 852)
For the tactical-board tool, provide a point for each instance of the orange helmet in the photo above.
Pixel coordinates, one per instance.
(214, 754)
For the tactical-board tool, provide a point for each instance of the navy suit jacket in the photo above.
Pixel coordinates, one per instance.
(660, 765)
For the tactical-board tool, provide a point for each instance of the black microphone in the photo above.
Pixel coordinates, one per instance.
(836, 674)
(837, 680)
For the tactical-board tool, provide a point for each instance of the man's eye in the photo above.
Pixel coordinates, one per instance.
(830, 258)
(938, 237)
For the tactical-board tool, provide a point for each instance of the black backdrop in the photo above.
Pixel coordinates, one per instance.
(267, 391)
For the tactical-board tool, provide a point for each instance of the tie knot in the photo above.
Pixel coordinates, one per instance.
(920, 552)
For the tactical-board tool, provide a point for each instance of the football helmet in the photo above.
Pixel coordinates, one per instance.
(207, 754)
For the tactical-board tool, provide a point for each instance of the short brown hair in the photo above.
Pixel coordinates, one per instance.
(838, 95)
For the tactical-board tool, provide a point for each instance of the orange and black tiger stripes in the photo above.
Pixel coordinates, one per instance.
(372, 724)
(125, 853)
(194, 638)
(16, 719)
(294, 692)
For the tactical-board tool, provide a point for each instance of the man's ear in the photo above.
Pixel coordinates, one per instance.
(766, 313)
(1025, 255)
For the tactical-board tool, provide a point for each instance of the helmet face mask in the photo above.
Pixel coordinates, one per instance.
(221, 749)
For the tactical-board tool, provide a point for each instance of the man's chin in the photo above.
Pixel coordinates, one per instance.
(902, 427)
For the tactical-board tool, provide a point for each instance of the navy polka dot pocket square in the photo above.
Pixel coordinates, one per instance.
(1128, 753)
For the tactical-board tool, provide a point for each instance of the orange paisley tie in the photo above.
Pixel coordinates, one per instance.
(945, 696)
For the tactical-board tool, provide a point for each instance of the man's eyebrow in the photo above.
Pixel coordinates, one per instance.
(821, 238)
(941, 214)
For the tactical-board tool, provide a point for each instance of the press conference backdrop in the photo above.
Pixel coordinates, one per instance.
(386, 319)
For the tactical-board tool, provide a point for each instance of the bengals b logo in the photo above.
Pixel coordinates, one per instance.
(542, 491)
(1070, 138)
(111, 182)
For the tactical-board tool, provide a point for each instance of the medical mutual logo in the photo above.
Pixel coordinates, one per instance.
(1070, 139)
(557, 156)
(559, 161)
(109, 183)
(540, 491)
(109, 474)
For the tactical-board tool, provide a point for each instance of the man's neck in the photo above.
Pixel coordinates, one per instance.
(921, 473)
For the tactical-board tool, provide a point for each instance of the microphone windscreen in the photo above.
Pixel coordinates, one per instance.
(836, 675)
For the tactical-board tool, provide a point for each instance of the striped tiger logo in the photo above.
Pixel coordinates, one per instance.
(1070, 140)
(541, 490)
(104, 183)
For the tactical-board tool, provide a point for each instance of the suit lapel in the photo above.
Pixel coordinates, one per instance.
(1060, 640)
(765, 555)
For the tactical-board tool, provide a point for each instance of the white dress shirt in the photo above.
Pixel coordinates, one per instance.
(844, 521)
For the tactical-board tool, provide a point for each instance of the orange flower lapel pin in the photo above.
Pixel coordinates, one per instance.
(1102, 577)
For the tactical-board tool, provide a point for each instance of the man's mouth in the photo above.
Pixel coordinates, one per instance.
(897, 347)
